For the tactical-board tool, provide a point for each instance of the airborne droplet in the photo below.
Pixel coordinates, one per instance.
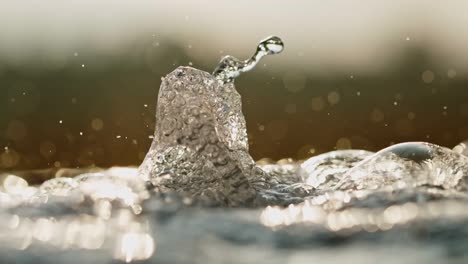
(230, 67)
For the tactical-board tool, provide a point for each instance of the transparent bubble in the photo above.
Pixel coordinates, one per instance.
(325, 170)
(409, 164)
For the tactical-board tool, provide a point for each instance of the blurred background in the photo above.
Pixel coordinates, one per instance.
(79, 79)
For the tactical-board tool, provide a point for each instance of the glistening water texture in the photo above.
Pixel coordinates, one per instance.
(200, 198)
(229, 67)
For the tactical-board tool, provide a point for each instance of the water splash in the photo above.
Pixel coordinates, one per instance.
(230, 67)
(201, 151)
(373, 203)
(200, 144)
(409, 164)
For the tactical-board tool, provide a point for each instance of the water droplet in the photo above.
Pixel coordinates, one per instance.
(318, 103)
(343, 143)
(427, 76)
(14, 184)
(229, 67)
(97, 124)
(333, 98)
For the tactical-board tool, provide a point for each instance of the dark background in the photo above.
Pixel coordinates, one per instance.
(84, 94)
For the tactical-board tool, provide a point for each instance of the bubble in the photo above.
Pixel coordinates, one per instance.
(333, 98)
(409, 164)
(14, 184)
(451, 73)
(97, 124)
(85, 232)
(134, 246)
(43, 229)
(427, 76)
(318, 104)
(343, 143)
(325, 170)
